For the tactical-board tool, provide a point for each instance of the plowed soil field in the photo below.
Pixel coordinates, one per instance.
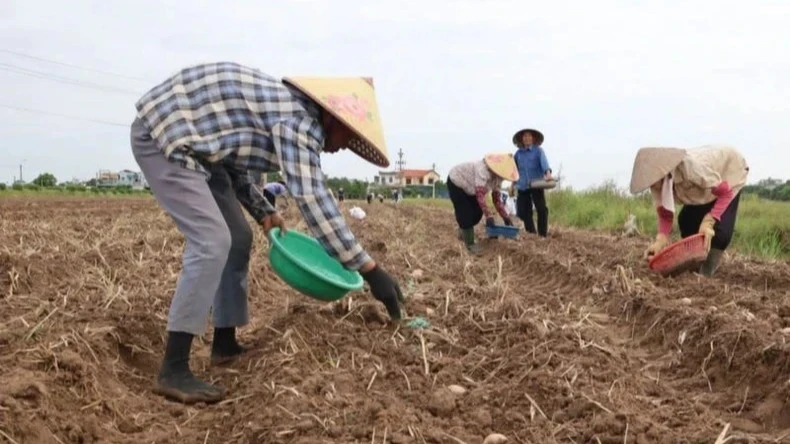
(568, 339)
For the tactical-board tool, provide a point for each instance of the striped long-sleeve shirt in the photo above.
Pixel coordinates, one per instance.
(252, 124)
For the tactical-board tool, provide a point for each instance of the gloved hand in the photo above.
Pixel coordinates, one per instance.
(706, 229)
(508, 222)
(385, 289)
(657, 245)
(490, 222)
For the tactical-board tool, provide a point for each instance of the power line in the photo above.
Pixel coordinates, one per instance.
(44, 75)
(36, 111)
(109, 73)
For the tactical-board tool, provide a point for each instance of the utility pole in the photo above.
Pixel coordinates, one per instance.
(433, 191)
(20, 169)
(14, 167)
(400, 161)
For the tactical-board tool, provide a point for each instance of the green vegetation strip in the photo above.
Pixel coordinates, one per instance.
(762, 228)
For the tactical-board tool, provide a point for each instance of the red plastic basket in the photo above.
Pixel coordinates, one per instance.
(679, 256)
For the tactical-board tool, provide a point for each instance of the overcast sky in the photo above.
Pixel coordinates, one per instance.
(454, 78)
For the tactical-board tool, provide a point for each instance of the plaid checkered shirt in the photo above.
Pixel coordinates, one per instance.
(251, 123)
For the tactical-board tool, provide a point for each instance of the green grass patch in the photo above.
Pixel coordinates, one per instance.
(762, 228)
(68, 192)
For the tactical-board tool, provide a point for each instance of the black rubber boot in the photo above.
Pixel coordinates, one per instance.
(176, 381)
(711, 263)
(543, 223)
(529, 225)
(224, 347)
(469, 241)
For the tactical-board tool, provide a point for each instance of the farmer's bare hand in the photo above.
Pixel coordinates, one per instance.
(547, 176)
(271, 221)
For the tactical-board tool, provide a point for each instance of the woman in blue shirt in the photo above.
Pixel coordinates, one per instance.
(532, 165)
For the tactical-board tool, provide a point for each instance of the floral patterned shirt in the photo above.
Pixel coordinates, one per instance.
(476, 179)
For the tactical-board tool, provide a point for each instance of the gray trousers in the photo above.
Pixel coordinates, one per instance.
(218, 238)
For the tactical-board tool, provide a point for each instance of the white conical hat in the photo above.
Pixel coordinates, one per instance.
(652, 164)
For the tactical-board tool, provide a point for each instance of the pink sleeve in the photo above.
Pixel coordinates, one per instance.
(724, 196)
(496, 197)
(480, 194)
(664, 220)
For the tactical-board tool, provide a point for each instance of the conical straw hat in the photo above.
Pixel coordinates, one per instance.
(535, 133)
(351, 100)
(502, 165)
(652, 164)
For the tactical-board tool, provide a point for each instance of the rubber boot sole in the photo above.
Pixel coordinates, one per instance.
(218, 360)
(174, 394)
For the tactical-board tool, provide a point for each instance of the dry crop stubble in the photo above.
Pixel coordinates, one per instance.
(541, 341)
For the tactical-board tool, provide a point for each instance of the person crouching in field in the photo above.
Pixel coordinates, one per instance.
(468, 184)
(532, 165)
(199, 138)
(273, 189)
(369, 197)
(707, 181)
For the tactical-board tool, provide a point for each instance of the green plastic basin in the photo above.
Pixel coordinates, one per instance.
(303, 264)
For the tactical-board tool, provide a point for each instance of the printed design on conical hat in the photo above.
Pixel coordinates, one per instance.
(502, 165)
(653, 164)
(352, 101)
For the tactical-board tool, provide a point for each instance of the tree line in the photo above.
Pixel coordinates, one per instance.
(772, 189)
(358, 189)
(353, 188)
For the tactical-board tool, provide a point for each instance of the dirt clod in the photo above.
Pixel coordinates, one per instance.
(565, 339)
(495, 438)
(442, 403)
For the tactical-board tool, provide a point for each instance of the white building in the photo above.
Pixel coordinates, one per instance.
(134, 179)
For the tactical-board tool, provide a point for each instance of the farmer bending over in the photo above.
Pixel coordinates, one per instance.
(707, 181)
(196, 137)
(468, 184)
(273, 189)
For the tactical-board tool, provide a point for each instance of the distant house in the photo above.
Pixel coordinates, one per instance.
(388, 178)
(419, 177)
(127, 177)
(406, 178)
(107, 178)
(134, 179)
